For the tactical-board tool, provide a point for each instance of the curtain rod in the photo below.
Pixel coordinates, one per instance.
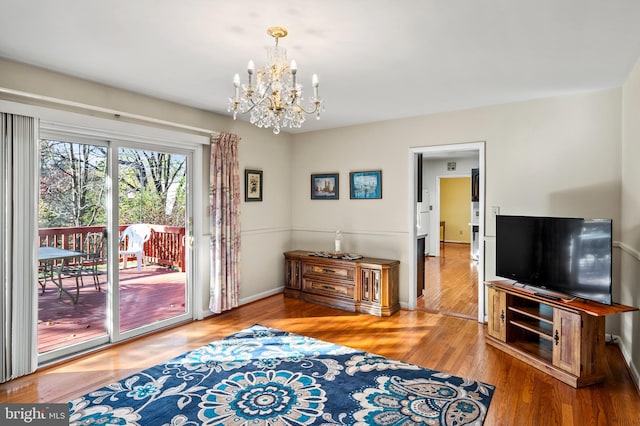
(108, 111)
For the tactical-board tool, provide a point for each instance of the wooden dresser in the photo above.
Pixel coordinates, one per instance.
(366, 285)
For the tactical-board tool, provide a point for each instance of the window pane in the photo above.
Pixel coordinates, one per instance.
(152, 271)
(72, 254)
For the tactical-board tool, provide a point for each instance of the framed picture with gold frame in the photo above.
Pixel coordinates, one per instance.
(253, 185)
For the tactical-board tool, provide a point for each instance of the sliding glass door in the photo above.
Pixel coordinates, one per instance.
(152, 224)
(113, 252)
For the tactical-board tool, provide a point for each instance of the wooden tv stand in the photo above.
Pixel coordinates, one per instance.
(565, 339)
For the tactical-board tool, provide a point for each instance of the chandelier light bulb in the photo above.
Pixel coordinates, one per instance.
(276, 99)
(315, 83)
(236, 84)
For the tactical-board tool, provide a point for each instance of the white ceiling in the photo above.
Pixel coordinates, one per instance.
(376, 59)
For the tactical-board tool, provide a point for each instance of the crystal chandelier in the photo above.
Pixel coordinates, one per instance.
(275, 98)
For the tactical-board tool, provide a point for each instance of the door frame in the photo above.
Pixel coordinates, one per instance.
(84, 129)
(411, 241)
(113, 299)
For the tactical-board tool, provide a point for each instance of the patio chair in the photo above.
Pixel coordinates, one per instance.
(95, 254)
(133, 239)
(87, 265)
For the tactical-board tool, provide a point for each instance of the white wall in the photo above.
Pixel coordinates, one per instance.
(266, 225)
(629, 330)
(366, 227)
(557, 156)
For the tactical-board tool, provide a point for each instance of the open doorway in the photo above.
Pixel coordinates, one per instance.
(451, 278)
(453, 248)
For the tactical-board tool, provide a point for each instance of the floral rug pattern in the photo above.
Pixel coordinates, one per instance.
(264, 376)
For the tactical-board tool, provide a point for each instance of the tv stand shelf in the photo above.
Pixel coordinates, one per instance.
(539, 329)
(562, 338)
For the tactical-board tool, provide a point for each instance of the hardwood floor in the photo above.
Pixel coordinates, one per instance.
(451, 282)
(523, 396)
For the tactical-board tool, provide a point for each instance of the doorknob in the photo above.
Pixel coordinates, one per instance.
(190, 232)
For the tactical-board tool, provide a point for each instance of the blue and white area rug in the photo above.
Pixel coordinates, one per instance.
(263, 376)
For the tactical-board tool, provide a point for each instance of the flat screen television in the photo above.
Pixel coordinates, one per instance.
(571, 256)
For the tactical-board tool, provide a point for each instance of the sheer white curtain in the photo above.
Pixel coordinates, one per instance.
(18, 242)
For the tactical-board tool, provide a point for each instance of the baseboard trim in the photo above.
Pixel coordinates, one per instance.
(626, 354)
(207, 313)
(262, 295)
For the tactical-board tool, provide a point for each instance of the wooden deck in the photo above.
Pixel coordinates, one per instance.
(155, 294)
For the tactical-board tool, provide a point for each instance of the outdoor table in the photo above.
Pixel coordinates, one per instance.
(53, 260)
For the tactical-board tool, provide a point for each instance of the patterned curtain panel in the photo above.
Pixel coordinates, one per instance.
(224, 198)
(18, 232)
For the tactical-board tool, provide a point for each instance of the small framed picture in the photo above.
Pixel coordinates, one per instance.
(325, 186)
(252, 185)
(365, 185)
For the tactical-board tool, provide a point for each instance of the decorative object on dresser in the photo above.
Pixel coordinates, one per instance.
(325, 186)
(345, 281)
(563, 338)
(365, 185)
(252, 185)
(337, 243)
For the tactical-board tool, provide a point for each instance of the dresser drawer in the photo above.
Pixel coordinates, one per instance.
(332, 271)
(336, 289)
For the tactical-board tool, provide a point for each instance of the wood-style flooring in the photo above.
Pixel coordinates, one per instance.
(451, 282)
(455, 345)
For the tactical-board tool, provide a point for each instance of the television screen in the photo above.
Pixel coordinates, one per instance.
(565, 255)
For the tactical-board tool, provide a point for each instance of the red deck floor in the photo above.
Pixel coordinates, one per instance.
(146, 297)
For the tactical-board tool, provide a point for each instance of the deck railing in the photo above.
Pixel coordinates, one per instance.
(165, 247)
